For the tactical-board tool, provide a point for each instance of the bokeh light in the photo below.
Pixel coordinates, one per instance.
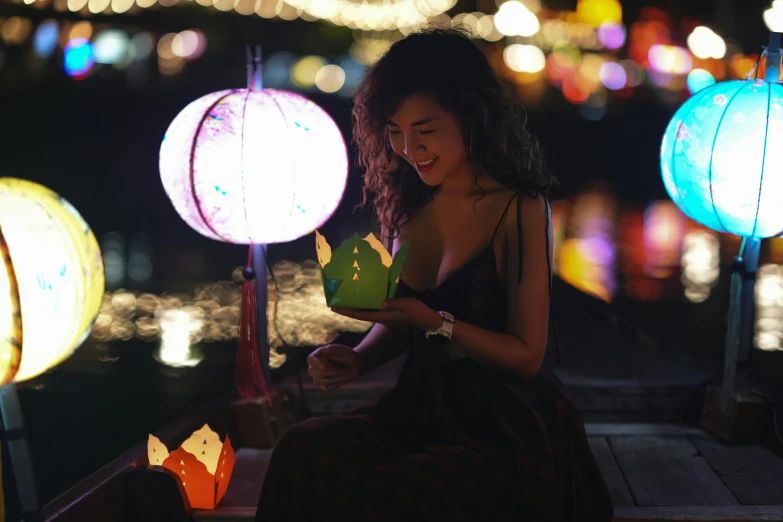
(515, 19)
(663, 233)
(633, 72)
(305, 70)
(587, 257)
(700, 264)
(612, 75)
(705, 43)
(597, 12)
(277, 69)
(769, 308)
(330, 78)
(524, 58)
(670, 59)
(611, 35)
(189, 44)
(78, 58)
(699, 79)
(45, 38)
(141, 45)
(81, 30)
(178, 327)
(111, 46)
(773, 17)
(16, 30)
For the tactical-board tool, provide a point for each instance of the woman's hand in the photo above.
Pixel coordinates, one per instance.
(333, 365)
(398, 312)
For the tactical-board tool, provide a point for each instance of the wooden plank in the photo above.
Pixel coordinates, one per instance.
(668, 471)
(699, 513)
(618, 489)
(753, 473)
(608, 429)
(226, 514)
(247, 478)
(621, 514)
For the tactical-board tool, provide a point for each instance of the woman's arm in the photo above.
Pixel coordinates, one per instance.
(381, 345)
(519, 350)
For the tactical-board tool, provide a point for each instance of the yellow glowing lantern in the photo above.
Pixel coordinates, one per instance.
(51, 279)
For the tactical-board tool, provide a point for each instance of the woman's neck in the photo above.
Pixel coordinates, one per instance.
(467, 181)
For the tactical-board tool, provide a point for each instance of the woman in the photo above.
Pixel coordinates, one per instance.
(474, 430)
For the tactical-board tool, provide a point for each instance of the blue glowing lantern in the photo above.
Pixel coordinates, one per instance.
(721, 158)
(722, 164)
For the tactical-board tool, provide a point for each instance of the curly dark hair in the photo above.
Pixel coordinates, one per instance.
(443, 63)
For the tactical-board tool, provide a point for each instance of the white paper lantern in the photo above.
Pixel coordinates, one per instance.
(254, 166)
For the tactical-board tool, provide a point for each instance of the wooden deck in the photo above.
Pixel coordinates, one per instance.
(655, 472)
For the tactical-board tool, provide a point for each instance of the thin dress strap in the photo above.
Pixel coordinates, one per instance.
(549, 270)
(503, 217)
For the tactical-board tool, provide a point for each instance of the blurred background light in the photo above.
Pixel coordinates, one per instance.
(330, 78)
(111, 46)
(515, 19)
(45, 38)
(524, 58)
(705, 43)
(78, 58)
(611, 35)
(698, 79)
(305, 70)
(612, 75)
(773, 16)
(670, 59)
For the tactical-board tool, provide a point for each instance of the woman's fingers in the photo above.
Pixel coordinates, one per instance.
(329, 387)
(328, 380)
(317, 363)
(315, 372)
(329, 384)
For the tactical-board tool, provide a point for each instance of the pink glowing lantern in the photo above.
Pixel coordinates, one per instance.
(254, 166)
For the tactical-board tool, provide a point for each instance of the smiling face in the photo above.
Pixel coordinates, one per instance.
(429, 138)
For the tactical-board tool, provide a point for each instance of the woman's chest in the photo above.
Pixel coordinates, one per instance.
(443, 242)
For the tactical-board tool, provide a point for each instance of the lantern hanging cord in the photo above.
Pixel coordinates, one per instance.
(753, 73)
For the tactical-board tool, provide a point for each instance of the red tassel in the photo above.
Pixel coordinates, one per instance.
(248, 375)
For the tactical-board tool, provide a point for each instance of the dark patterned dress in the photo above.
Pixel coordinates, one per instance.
(453, 441)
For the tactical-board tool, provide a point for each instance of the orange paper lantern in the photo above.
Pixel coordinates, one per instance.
(203, 464)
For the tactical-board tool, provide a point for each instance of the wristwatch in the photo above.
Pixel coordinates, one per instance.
(442, 334)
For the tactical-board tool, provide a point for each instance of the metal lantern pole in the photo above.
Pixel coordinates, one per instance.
(262, 298)
(740, 332)
(255, 82)
(22, 467)
(739, 335)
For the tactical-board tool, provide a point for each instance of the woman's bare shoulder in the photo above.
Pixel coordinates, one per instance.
(533, 215)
